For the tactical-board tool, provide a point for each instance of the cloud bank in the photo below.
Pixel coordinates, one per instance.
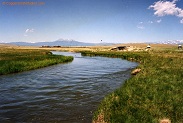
(163, 8)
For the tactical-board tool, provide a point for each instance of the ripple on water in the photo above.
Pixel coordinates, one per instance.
(61, 93)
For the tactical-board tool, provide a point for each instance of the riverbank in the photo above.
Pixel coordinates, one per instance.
(150, 96)
(153, 94)
(13, 59)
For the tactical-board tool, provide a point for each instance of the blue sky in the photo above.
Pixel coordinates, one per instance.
(114, 21)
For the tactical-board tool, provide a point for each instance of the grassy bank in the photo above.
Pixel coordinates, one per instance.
(151, 95)
(18, 60)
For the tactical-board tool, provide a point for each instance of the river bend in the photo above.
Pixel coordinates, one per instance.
(63, 93)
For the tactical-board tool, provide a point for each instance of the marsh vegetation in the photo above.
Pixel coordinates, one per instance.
(17, 60)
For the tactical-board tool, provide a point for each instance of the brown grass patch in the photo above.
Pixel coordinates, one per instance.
(100, 119)
(165, 120)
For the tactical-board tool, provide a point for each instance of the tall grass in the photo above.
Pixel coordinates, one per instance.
(18, 60)
(153, 94)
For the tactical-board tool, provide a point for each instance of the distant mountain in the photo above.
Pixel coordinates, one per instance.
(59, 43)
(172, 42)
(175, 42)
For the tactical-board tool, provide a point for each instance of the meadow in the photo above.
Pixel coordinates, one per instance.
(13, 60)
(154, 94)
(150, 96)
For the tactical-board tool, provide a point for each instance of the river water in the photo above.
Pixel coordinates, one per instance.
(63, 93)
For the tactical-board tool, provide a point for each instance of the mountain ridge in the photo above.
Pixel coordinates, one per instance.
(59, 43)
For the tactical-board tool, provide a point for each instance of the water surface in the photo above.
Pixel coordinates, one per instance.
(63, 93)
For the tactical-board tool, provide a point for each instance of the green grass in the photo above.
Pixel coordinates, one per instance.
(151, 95)
(18, 60)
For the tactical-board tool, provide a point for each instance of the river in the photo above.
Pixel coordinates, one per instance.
(63, 93)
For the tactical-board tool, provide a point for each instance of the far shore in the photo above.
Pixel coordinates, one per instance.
(134, 46)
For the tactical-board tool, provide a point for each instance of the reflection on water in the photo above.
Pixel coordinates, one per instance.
(62, 93)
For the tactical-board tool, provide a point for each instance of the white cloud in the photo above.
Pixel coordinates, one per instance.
(29, 30)
(180, 13)
(159, 21)
(140, 27)
(150, 22)
(163, 8)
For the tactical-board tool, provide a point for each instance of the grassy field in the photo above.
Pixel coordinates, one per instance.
(13, 60)
(150, 96)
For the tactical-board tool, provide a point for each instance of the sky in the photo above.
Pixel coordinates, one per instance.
(112, 21)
